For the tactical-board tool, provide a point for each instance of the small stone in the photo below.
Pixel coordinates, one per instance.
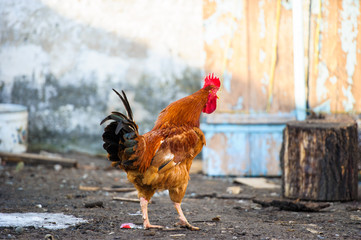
(234, 190)
(355, 218)
(151, 233)
(93, 204)
(19, 230)
(57, 167)
(274, 194)
(19, 167)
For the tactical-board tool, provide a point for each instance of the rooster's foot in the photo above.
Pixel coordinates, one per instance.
(187, 225)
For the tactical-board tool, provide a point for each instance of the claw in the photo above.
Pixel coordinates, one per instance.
(187, 225)
(193, 228)
(182, 219)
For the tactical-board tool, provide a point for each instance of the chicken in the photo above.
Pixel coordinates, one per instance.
(161, 158)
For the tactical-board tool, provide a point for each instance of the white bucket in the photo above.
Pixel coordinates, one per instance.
(13, 128)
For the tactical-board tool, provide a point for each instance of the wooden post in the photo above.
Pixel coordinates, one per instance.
(319, 160)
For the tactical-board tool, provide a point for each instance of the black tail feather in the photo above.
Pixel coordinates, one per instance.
(128, 163)
(126, 121)
(119, 136)
(126, 103)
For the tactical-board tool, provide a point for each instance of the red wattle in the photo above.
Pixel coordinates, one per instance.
(210, 106)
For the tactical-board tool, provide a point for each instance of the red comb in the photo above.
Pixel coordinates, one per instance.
(212, 80)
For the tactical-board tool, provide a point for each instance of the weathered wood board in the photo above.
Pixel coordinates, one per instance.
(335, 72)
(240, 37)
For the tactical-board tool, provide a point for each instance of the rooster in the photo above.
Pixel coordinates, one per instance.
(161, 158)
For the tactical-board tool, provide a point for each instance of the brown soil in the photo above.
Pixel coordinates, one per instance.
(58, 191)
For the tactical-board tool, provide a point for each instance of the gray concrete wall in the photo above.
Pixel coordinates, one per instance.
(62, 58)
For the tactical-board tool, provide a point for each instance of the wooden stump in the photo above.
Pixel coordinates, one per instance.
(319, 160)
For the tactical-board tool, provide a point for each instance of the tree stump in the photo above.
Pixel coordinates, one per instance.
(319, 160)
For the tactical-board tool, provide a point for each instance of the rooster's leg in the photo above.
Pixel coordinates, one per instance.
(144, 206)
(182, 219)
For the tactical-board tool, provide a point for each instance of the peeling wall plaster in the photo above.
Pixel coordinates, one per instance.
(265, 83)
(262, 55)
(348, 32)
(261, 20)
(350, 100)
(227, 79)
(62, 58)
(348, 35)
(214, 29)
(323, 76)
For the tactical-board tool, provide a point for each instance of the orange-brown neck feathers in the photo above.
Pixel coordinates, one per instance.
(185, 111)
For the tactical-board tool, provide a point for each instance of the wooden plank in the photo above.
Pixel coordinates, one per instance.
(261, 34)
(222, 196)
(227, 51)
(283, 100)
(89, 188)
(335, 82)
(356, 88)
(110, 189)
(126, 199)
(243, 53)
(299, 59)
(263, 38)
(287, 205)
(31, 158)
(259, 183)
(307, 39)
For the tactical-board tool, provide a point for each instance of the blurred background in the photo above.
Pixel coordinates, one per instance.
(278, 61)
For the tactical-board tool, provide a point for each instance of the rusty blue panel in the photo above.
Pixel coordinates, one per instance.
(242, 149)
(264, 153)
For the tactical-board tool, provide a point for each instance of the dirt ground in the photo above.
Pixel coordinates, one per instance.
(58, 191)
